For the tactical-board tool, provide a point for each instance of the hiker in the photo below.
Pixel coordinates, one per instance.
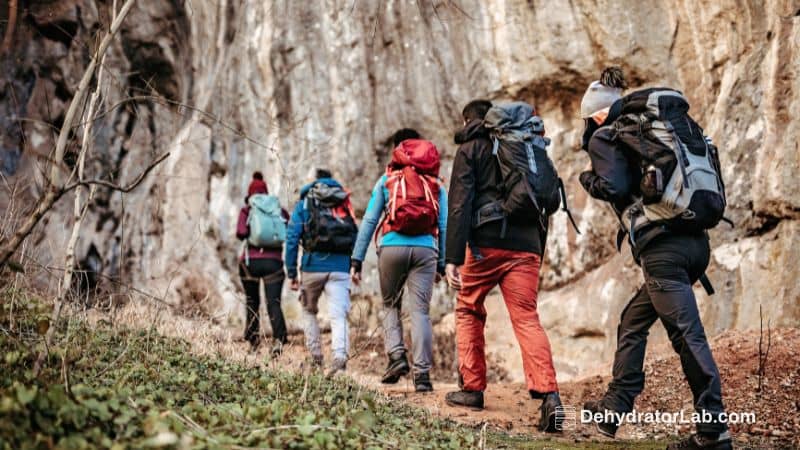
(323, 222)
(641, 148)
(494, 238)
(410, 241)
(262, 228)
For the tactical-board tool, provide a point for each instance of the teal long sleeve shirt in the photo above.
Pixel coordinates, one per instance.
(372, 217)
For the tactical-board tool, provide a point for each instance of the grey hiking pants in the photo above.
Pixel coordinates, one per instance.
(671, 264)
(415, 269)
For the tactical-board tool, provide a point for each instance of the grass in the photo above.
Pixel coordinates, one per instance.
(111, 387)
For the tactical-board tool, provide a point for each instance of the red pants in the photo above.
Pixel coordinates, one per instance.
(518, 276)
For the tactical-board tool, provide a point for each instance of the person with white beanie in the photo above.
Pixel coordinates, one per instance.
(672, 259)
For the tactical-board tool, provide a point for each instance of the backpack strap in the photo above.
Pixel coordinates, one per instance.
(564, 207)
(706, 284)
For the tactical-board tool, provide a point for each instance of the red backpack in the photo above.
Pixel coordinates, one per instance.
(413, 185)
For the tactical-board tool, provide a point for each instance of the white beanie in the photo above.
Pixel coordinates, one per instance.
(597, 97)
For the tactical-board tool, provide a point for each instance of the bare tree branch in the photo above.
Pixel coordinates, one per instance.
(127, 188)
(54, 192)
(12, 23)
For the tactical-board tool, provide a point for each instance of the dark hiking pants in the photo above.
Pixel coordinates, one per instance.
(271, 270)
(671, 264)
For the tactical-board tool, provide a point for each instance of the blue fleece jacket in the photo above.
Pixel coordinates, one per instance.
(375, 209)
(311, 261)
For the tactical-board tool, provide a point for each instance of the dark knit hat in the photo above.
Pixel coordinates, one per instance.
(257, 185)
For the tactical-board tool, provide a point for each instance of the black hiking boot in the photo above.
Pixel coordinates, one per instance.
(255, 344)
(702, 441)
(277, 348)
(422, 382)
(552, 418)
(468, 399)
(398, 367)
(607, 428)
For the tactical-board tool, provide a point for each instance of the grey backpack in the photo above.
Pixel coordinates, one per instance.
(532, 189)
(681, 183)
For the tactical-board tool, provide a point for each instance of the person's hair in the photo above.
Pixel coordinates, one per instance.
(258, 175)
(403, 134)
(613, 77)
(476, 109)
(324, 173)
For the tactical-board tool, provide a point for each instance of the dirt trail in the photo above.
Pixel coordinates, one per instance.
(508, 406)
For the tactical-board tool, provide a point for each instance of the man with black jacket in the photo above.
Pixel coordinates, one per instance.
(480, 258)
(671, 262)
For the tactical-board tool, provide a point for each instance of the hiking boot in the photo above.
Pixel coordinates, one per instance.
(277, 348)
(604, 427)
(255, 343)
(552, 413)
(398, 367)
(468, 399)
(338, 365)
(422, 382)
(702, 441)
(317, 362)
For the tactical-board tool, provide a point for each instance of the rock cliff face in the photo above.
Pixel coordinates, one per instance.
(229, 87)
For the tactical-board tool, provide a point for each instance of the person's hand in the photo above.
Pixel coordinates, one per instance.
(453, 276)
(355, 271)
(294, 284)
(355, 276)
(439, 274)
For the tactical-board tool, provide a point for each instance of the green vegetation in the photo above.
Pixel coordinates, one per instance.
(103, 387)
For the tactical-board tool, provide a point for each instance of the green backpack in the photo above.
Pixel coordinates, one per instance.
(267, 228)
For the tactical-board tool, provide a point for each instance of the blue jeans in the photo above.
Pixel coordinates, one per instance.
(336, 286)
(671, 264)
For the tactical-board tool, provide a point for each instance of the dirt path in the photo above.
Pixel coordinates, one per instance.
(508, 406)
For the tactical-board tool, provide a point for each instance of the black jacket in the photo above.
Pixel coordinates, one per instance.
(614, 177)
(475, 181)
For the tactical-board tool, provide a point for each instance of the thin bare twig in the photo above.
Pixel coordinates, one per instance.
(12, 23)
(127, 188)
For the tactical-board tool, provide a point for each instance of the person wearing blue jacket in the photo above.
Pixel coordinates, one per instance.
(414, 262)
(322, 271)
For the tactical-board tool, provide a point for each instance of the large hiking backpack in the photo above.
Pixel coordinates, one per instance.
(265, 219)
(531, 187)
(681, 183)
(413, 185)
(331, 225)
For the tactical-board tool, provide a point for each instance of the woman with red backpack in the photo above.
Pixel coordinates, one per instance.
(407, 213)
(261, 263)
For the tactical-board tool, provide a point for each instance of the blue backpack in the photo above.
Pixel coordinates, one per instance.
(267, 228)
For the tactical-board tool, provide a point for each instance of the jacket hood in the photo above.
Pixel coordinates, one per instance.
(328, 181)
(472, 130)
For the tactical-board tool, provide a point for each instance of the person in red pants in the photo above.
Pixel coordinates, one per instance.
(498, 252)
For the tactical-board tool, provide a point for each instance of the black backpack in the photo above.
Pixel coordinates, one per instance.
(331, 227)
(532, 189)
(681, 183)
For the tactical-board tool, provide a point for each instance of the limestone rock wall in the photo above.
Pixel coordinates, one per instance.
(286, 87)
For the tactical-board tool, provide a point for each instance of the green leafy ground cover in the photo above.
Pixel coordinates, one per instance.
(103, 387)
